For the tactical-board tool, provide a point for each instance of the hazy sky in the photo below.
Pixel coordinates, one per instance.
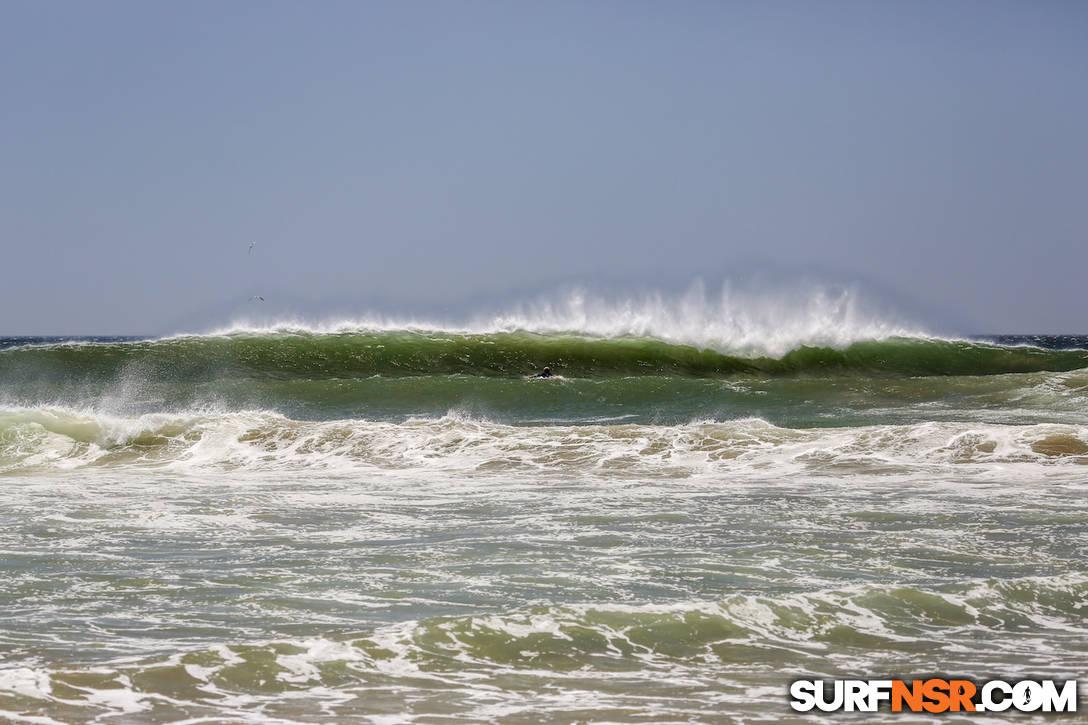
(419, 154)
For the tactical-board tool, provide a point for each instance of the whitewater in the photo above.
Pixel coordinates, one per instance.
(380, 520)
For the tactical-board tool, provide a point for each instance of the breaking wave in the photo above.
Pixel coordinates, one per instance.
(50, 439)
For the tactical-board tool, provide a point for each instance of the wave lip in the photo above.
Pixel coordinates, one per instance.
(748, 323)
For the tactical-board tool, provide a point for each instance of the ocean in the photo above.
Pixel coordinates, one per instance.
(390, 524)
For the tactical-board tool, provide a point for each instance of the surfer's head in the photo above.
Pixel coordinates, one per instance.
(547, 369)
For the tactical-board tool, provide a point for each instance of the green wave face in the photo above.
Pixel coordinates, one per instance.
(406, 353)
(400, 375)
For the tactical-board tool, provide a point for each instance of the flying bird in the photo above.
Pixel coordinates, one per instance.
(256, 297)
(251, 246)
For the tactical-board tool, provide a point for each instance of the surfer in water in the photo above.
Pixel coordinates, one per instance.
(545, 373)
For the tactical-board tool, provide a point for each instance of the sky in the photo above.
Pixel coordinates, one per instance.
(424, 155)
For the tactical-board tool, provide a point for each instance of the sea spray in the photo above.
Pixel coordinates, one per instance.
(741, 319)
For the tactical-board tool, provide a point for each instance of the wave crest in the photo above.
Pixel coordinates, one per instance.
(744, 321)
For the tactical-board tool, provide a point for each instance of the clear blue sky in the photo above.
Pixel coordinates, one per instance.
(420, 154)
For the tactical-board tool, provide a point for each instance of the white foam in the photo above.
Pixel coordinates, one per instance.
(304, 667)
(33, 719)
(439, 655)
(62, 439)
(743, 321)
(26, 682)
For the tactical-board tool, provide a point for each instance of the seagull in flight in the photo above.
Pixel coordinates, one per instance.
(251, 246)
(256, 297)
